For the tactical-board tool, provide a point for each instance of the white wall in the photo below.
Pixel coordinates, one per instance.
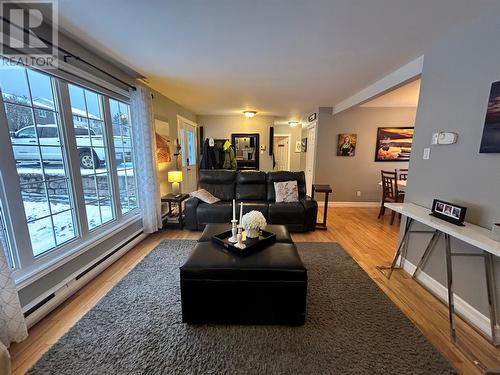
(456, 80)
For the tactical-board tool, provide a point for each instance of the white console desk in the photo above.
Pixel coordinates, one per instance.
(470, 233)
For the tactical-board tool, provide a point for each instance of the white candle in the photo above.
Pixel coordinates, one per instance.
(234, 209)
(241, 211)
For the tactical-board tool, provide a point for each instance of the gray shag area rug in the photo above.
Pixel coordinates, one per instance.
(351, 328)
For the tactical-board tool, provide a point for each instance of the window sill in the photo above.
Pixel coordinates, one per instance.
(51, 261)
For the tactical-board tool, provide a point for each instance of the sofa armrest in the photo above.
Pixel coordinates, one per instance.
(311, 212)
(191, 218)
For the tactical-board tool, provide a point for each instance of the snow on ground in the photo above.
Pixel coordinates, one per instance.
(42, 236)
(55, 170)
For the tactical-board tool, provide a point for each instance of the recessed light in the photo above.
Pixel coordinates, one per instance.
(249, 114)
(293, 124)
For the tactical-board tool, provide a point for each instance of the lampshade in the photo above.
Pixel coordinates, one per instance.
(175, 176)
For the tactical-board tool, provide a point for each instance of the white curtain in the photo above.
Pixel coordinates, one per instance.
(12, 324)
(146, 166)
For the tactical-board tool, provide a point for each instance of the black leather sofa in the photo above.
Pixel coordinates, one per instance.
(256, 190)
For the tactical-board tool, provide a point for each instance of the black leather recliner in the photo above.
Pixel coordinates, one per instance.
(256, 190)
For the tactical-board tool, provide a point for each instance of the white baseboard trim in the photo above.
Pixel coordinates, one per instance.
(350, 204)
(70, 285)
(462, 308)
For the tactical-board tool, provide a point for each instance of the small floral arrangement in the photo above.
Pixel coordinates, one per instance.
(253, 222)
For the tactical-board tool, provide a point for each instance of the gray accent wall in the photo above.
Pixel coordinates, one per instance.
(347, 175)
(456, 80)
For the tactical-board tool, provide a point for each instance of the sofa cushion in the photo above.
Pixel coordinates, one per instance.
(220, 212)
(282, 176)
(251, 186)
(286, 191)
(204, 196)
(261, 206)
(219, 183)
(289, 213)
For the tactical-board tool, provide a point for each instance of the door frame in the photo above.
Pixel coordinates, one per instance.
(289, 147)
(195, 125)
(309, 126)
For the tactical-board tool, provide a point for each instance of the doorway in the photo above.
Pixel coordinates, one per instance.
(310, 156)
(188, 141)
(281, 147)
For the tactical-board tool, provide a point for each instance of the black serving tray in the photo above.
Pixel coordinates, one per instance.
(265, 239)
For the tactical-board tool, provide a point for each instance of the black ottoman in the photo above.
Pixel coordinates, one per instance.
(282, 234)
(266, 287)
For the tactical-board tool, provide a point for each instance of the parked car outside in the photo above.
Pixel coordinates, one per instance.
(91, 151)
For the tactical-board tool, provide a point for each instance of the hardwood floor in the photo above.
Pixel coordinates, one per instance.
(369, 241)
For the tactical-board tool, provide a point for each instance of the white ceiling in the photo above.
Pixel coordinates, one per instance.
(404, 96)
(279, 57)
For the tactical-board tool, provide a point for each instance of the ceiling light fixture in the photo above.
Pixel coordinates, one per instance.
(249, 114)
(293, 124)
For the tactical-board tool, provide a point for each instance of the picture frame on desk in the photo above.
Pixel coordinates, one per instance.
(449, 212)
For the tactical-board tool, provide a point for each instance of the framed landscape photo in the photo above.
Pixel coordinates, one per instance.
(346, 145)
(394, 144)
(490, 142)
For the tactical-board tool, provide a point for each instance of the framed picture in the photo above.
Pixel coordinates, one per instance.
(448, 211)
(394, 144)
(490, 143)
(298, 146)
(163, 142)
(304, 145)
(346, 145)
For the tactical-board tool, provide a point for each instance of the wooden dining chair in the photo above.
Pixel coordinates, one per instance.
(390, 192)
(402, 173)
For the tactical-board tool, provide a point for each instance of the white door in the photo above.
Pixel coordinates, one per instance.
(281, 149)
(310, 157)
(189, 160)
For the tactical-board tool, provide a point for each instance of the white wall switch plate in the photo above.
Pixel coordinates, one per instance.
(427, 153)
(435, 139)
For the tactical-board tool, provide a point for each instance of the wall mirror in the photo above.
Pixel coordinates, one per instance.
(246, 148)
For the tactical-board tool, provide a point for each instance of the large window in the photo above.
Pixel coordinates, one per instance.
(40, 157)
(71, 172)
(93, 154)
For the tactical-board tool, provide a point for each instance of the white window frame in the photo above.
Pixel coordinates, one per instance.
(31, 268)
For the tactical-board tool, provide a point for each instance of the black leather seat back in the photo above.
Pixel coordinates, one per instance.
(251, 186)
(282, 176)
(219, 183)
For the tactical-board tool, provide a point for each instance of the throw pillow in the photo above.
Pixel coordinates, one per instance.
(204, 196)
(286, 191)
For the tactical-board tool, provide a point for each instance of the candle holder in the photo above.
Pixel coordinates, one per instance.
(239, 236)
(234, 230)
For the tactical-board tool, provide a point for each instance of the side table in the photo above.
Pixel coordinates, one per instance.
(322, 189)
(174, 219)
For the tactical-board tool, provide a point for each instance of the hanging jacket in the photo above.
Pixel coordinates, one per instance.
(208, 157)
(229, 159)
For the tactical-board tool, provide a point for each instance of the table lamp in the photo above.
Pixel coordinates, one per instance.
(175, 177)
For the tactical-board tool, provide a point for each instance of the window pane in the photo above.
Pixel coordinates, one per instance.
(191, 148)
(4, 239)
(41, 90)
(90, 133)
(40, 157)
(124, 156)
(42, 235)
(93, 214)
(64, 227)
(15, 85)
(20, 121)
(36, 203)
